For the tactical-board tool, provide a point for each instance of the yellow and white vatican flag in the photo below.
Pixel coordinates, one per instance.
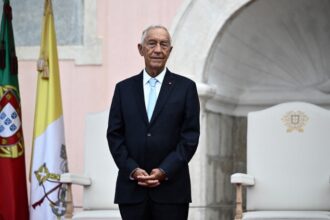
(49, 160)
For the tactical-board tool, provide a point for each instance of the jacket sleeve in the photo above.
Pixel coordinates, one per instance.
(116, 138)
(189, 136)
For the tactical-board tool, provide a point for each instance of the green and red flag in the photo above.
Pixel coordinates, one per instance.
(13, 191)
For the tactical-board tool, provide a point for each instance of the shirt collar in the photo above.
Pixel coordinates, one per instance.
(159, 77)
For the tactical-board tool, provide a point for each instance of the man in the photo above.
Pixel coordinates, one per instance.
(153, 133)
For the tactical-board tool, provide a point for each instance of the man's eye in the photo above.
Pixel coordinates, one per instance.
(165, 45)
(151, 44)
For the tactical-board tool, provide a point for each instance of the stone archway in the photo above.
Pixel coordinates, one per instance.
(244, 56)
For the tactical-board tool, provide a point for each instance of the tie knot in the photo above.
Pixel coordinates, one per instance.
(152, 82)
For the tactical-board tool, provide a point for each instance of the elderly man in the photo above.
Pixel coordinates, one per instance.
(153, 133)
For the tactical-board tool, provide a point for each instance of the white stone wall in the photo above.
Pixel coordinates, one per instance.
(223, 149)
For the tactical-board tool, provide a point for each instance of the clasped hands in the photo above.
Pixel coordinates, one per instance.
(149, 180)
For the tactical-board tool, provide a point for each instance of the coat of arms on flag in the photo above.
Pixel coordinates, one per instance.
(10, 126)
(45, 178)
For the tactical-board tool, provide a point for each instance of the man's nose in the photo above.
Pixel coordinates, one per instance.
(158, 48)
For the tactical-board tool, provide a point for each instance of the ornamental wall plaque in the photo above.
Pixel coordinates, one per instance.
(295, 120)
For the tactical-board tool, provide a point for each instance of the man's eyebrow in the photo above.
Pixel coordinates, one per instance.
(161, 41)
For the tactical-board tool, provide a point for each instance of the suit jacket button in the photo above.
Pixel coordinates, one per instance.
(149, 134)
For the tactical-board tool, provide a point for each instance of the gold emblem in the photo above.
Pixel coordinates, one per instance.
(295, 121)
(12, 151)
(51, 185)
(43, 175)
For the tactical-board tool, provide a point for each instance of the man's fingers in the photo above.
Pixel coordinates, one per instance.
(142, 183)
(144, 178)
(144, 173)
(148, 180)
(139, 172)
(152, 180)
(149, 183)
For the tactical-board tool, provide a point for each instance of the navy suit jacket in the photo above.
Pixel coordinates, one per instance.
(168, 141)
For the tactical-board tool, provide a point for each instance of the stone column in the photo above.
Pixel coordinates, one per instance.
(221, 152)
(198, 164)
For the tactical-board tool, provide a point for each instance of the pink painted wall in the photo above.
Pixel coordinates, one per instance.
(90, 88)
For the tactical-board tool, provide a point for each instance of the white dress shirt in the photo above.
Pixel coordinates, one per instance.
(146, 87)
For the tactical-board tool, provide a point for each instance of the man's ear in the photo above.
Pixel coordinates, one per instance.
(140, 49)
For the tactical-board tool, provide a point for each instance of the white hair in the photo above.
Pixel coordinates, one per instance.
(145, 32)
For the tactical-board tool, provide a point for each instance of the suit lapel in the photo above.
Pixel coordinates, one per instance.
(139, 97)
(164, 93)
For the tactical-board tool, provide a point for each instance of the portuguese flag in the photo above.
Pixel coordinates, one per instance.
(13, 192)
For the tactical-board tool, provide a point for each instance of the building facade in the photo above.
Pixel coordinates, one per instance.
(244, 55)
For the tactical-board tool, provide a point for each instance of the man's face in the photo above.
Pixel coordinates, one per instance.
(155, 49)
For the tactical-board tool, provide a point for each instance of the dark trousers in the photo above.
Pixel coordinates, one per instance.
(149, 210)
